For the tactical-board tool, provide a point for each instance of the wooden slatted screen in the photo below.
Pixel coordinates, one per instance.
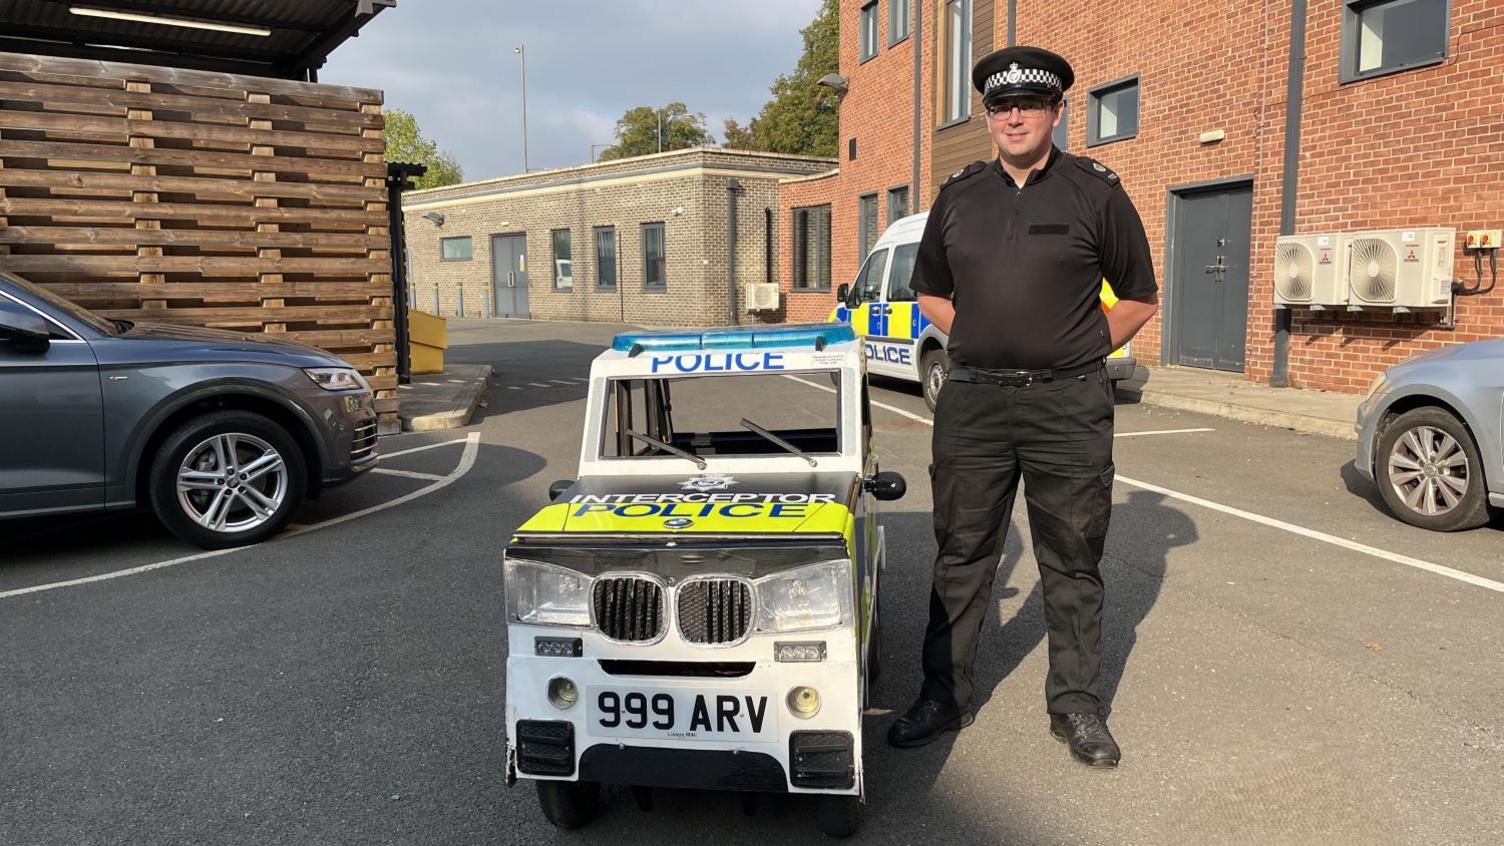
(206, 199)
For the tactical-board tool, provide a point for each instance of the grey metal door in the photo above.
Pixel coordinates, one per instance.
(1210, 293)
(51, 428)
(509, 274)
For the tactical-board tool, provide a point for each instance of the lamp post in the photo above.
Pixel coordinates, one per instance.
(521, 50)
(593, 148)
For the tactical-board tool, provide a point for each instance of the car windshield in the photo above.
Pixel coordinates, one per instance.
(703, 415)
(82, 315)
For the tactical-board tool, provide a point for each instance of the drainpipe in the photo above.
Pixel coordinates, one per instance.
(1012, 22)
(917, 194)
(1294, 94)
(767, 246)
(732, 189)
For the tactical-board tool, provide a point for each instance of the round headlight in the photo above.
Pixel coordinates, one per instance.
(562, 693)
(804, 702)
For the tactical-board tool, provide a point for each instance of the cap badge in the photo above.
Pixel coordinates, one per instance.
(1014, 74)
(1099, 167)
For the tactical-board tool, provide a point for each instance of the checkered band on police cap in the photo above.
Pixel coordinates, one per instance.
(1016, 75)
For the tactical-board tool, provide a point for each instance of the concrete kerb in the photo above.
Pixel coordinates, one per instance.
(443, 400)
(1230, 396)
(1247, 414)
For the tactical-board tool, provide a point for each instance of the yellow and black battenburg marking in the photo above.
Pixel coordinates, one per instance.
(704, 503)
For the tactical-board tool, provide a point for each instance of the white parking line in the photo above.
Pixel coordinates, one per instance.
(1384, 554)
(409, 474)
(467, 461)
(427, 446)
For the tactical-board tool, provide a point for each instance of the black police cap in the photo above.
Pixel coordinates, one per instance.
(1022, 71)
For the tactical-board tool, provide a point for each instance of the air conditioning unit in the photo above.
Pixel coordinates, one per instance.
(1308, 271)
(760, 296)
(1400, 268)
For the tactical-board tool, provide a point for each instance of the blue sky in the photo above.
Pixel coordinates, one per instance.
(451, 63)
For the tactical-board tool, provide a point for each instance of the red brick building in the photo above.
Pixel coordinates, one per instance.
(1400, 125)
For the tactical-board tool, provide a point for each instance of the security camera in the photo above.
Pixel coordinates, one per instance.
(834, 82)
(438, 219)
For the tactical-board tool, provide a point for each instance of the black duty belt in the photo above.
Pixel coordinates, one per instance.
(1020, 378)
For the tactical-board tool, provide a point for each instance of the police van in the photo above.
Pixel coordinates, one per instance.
(699, 607)
(897, 340)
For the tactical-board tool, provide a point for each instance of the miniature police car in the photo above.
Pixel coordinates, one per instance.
(900, 341)
(699, 609)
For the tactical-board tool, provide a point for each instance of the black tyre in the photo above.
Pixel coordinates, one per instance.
(934, 368)
(1429, 473)
(838, 816)
(569, 804)
(227, 478)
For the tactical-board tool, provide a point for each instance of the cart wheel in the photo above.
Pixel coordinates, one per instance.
(569, 804)
(643, 796)
(749, 803)
(838, 816)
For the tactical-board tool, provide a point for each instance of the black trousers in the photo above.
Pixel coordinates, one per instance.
(1057, 438)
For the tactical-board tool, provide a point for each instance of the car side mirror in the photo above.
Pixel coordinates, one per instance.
(557, 489)
(23, 328)
(843, 293)
(887, 485)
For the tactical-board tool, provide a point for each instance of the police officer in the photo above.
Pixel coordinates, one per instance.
(1010, 267)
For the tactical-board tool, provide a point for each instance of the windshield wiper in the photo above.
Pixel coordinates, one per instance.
(748, 424)
(682, 453)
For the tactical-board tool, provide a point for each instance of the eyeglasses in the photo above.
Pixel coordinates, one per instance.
(1026, 108)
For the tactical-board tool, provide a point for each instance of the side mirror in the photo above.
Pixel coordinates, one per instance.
(887, 485)
(23, 328)
(557, 489)
(843, 293)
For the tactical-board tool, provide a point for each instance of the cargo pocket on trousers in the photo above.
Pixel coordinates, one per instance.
(1101, 515)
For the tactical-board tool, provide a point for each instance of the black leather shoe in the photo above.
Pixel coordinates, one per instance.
(926, 721)
(1087, 736)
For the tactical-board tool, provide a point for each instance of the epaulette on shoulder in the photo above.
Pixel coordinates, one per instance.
(1097, 169)
(963, 174)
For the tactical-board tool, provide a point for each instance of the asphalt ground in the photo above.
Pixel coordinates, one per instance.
(1285, 662)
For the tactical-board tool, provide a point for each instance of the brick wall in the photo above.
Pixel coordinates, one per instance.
(686, 190)
(1422, 147)
(878, 112)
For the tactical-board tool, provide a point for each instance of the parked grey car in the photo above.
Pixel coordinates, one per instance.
(1429, 436)
(221, 433)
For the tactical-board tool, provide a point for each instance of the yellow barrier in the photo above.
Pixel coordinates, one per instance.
(428, 337)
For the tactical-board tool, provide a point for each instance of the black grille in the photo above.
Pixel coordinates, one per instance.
(822, 759)
(365, 441)
(628, 608)
(715, 610)
(545, 747)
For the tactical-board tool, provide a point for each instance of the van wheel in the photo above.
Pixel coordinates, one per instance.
(934, 367)
(838, 816)
(569, 804)
(227, 478)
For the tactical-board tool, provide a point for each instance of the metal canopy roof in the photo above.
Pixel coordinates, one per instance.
(277, 38)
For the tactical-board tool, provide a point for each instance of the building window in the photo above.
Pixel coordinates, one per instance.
(1384, 36)
(868, 31)
(605, 257)
(1112, 112)
(1062, 134)
(899, 18)
(654, 274)
(898, 203)
(455, 249)
(957, 60)
(812, 248)
(866, 224)
(563, 266)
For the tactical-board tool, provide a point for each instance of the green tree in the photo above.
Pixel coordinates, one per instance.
(405, 143)
(801, 117)
(643, 130)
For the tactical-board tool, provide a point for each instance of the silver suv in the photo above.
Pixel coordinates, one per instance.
(222, 434)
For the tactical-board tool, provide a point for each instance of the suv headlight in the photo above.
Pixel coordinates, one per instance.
(1377, 388)
(546, 595)
(814, 597)
(337, 378)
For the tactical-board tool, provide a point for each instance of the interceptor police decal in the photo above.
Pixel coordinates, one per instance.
(734, 505)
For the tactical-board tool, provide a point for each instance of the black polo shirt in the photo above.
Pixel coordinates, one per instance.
(1024, 266)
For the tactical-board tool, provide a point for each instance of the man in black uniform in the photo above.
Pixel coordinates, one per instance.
(1010, 267)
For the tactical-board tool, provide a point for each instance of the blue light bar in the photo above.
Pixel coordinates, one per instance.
(810, 335)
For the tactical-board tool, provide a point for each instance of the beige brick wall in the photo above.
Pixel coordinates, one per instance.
(685, 190)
